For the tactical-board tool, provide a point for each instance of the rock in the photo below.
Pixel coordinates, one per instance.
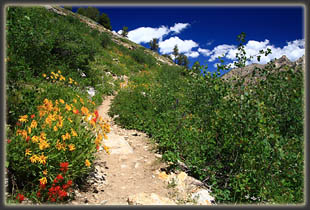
(137, 165)
(203, 197)
(158, 155)
(118, 145)
(149, 199)
(163, 175)
(103, 202)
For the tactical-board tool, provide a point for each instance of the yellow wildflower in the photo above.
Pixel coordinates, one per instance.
(29, 130)
(59, 71)
(106, 148)
(35, 139)
(62, 78)
(70, 119)
(73, 132)
(42, 159)
(45, 172)
(43, 180)
(61, 101)
(27, 152)
(55, 128)
(34, 158)
(43, 144)
(92, 122)
(87, 163)
(23, 118)
(75, 83)
(43, 135)
(68, 107)
(105, 136)
(24, 133)
(74, 100)
(71, 147)
(34, 124)
(66, 136)
(81, 100)
(60, 122)
(58, 145)
(84, 110)
(70, 80)
(99, 138)
(44, 75)
(52, 77)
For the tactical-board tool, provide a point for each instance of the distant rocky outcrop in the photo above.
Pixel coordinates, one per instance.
(280, 64)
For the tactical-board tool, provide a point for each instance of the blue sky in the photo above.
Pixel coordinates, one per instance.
(205, 32)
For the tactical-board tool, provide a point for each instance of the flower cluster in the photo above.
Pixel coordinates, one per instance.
(59, 189)
(58, 133)
(59, 77)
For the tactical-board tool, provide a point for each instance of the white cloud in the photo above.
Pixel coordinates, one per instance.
(192, 54)
(293, 50)
(178, 27)
(184, 46)
(145, 34)
(220, 50)
(205, 52)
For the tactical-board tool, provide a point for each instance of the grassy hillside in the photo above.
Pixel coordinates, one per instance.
(246, 142)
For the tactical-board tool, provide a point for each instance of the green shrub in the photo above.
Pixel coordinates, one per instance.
(244, 141)
(143, 58)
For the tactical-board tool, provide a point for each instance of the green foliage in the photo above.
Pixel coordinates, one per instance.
(143, 58)
(90, 12)
(125, 31)
(245, 141)
(105, 40)
(68, 8)
(104, 20)
(154, 44)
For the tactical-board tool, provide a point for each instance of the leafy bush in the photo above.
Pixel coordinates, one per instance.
(144, 58)
(105, 40)
(245, 141)
(54, 144)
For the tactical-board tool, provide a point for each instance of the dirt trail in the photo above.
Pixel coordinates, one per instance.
(130, 168)
(133, 174)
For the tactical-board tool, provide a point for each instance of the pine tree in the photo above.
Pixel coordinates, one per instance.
(104, 20)
(125, 31)
(175, 53)
(154, 44)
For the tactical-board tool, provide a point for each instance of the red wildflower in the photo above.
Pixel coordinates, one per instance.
(69, 182)
(97, 147)
(59, 177)
(55, 180)
(32, 116)
(65, 186)
(97, 114)
(64, 166)
(28, 138)
(38, 194)
(9, 140)
(42, 186)
(18, 124)
(62, 193)
(20, 197)
(76, 111)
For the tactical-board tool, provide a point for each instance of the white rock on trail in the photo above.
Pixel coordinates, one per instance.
(118, 144)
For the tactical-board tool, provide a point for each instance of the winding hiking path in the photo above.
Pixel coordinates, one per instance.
(131, 173)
